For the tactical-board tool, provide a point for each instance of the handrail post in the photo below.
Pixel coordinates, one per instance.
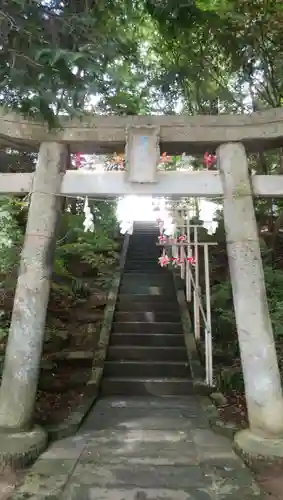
(208, 333)
(196, 290)
(188, 264)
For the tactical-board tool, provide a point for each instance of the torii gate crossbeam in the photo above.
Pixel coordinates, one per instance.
(112, 184)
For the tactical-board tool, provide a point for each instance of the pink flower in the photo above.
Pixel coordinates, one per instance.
(209, 160)
(162, 239)
(182, 238)
(191, 260)
(78, 160)
(163, 260)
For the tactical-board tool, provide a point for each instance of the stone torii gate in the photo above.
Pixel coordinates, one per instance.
(143, 138)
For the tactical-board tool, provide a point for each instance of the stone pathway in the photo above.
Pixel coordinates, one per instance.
(141, 449)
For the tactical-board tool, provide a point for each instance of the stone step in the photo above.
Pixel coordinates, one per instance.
(143, 327)
(143, 254)
(144, 226)
(152, 369)
(145, 233)
(148, 272)
(145, 243)
(147, 316)
(162, 282)
(160, 276)
(130, 305)
(140, 289)
(148, 233)
(142, 266)
(149, 244)
(146, 386)
(148, 339)
(160, 273)
(144, 250)
(144, 259)
(145, 353)
(145, 297)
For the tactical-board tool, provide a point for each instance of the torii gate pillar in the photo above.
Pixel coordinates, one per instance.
(258, 354)
(20, 442)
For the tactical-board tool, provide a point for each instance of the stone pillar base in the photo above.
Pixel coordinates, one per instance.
(256, 446)
(19, 449)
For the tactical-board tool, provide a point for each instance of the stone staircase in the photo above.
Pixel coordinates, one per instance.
(146, 354)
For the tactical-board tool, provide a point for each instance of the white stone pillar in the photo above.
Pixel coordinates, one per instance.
(23, 353)
(258, 354)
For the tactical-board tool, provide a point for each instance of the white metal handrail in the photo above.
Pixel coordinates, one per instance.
(182, 252)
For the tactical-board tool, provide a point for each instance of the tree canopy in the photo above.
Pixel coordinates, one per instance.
(136, 57)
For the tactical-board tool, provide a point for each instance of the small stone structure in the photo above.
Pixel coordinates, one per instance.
(19, 440)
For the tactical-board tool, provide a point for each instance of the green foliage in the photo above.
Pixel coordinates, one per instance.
(222, 303)
(54, 55)
(224, 326)
(4, 326)
(229, 374)
(219, 6)
(98, 250)
(87, 245)
(230, 378)
(10, 234)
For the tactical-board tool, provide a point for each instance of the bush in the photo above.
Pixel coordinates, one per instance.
(11, 237)
(97, 251)
(223, 309)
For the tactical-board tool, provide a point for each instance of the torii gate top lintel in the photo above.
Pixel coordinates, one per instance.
(177, 134)
(142, 138)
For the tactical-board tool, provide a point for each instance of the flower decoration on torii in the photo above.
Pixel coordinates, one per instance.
(164, 260)
(78, 160)
(117, 161)
(162, 239)
(176, 261)
(209, 160)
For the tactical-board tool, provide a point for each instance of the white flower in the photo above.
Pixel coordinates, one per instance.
(88, 222)
(210, 227)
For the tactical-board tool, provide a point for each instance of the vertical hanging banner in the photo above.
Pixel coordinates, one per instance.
(142, 153)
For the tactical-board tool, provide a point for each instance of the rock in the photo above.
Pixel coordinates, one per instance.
(219, 398)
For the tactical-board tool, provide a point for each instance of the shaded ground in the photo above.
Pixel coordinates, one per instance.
(71, 336)
(62, 381)
(72, 330)
(228, 372)
(267, 473)
(9, 480)
(142, 448)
